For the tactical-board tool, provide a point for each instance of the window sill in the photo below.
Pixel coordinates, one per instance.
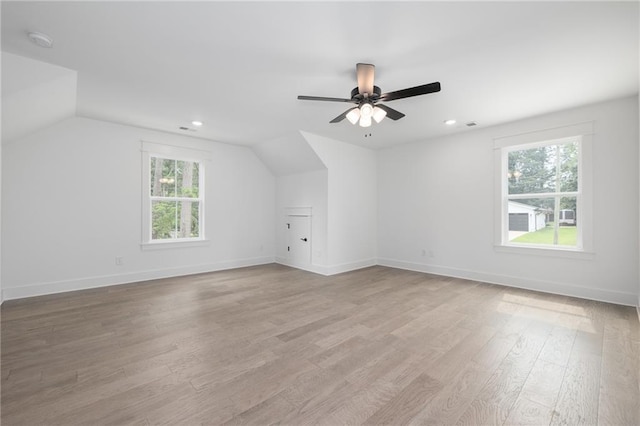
(567, 253)
(162, 245)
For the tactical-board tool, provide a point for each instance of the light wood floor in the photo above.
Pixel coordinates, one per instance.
(271, 344)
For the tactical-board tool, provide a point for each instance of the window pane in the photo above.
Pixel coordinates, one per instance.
(532, 221)
(163, 177)
(189, 219)
(527, 217)
(569, 167)
(195, 219)
(155, 172)
(175, 219)
(567, 213)
(532, 171)
(187, 181)
(163, 220)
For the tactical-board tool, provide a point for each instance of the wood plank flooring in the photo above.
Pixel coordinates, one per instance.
(274, 345)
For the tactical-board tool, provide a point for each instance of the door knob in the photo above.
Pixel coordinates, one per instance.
(304, 239)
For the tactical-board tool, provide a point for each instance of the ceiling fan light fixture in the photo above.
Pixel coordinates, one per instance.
(353, 116)
(379, 114)
(367, 94)
(366, 110)
(365, 121)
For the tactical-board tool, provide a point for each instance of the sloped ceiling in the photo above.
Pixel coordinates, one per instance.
(238, 66)
(288, 155)
(34, 95)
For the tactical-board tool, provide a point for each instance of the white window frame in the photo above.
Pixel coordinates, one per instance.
(581, 132)
(170, 152)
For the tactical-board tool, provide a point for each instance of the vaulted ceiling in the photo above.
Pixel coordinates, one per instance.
(239, 66)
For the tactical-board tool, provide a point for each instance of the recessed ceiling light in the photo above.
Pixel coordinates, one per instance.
(450, 122)
(41, 39)
(197, 123)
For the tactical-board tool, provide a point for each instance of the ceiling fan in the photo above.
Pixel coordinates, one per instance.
(367, 97)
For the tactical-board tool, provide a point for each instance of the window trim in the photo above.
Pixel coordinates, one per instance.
(170, 152)
(504, 145)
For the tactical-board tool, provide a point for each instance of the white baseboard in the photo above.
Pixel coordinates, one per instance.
(351, 266)
(564, 289)
(108, 280)
(330, 270)
(602, 295)
(316, 269)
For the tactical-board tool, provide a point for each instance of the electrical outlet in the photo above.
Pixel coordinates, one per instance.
(431, 254)
(424, 252)
(119, 261)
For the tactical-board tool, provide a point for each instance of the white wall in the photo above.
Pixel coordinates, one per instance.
(72, 203)
(304, 190)
(352, 203)
(425, 190)
(1, 294)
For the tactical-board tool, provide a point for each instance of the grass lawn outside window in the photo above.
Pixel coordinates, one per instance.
(567, 236)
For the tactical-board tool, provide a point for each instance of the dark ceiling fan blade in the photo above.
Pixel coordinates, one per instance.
(391, 113)
(365, 73)
(412, 91)
(342, 116)
(322, 98)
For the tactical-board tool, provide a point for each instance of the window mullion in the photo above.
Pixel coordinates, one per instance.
(544, 195)
(556, 205)
(175, 199)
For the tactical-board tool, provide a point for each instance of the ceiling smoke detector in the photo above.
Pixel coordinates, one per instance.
(41, 39)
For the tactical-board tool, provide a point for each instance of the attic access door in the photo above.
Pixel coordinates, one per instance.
(299, 240)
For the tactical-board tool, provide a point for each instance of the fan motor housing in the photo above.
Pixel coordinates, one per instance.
(355, 94)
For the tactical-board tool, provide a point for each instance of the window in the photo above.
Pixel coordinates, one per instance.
(544, 200)
(542, 193)
(173, 199)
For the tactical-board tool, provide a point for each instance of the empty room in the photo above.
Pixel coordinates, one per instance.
(332, 213)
